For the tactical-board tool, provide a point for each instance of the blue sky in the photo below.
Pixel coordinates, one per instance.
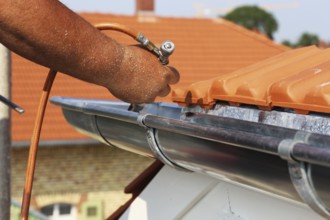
(294, 17)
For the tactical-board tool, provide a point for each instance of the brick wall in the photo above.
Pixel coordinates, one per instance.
(78, 174)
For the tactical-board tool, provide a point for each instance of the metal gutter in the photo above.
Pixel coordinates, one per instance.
(288, 162)
(57, 143)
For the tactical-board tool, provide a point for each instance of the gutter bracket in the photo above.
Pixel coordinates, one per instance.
(300, 174)
(154, 146)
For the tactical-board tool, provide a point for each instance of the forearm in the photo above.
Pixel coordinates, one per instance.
(48, 33)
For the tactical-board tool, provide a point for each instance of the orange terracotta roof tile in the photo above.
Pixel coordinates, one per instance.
(304, 91)
(297, 79)
(251, 87)
(205, 49)
(224, 87)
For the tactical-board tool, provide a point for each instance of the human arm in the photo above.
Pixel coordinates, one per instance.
(48, 33)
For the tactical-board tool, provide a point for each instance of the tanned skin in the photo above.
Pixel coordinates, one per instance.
(50, 34)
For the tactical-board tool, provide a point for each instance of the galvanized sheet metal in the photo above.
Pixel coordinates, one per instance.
(214, 142)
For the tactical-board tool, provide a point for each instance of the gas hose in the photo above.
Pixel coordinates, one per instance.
(162, 53)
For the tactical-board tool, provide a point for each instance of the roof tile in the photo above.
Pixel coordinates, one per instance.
(304, 91)
(297, 79)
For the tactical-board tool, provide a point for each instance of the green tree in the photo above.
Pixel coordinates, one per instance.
(288, 43)
(254, 18)
(305, 39)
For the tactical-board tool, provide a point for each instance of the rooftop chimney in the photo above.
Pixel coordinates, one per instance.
(145, 7)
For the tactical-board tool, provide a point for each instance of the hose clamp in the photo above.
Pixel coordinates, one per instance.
(151, 135)
(163, 53)
(300, 174)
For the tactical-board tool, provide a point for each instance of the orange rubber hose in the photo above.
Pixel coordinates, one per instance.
(130, 32)
(34, 144)
(118, 27)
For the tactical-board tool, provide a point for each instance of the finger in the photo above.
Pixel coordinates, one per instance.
(165, 91)
(174, 75)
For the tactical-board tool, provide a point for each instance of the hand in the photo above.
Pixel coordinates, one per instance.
(141, 77)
